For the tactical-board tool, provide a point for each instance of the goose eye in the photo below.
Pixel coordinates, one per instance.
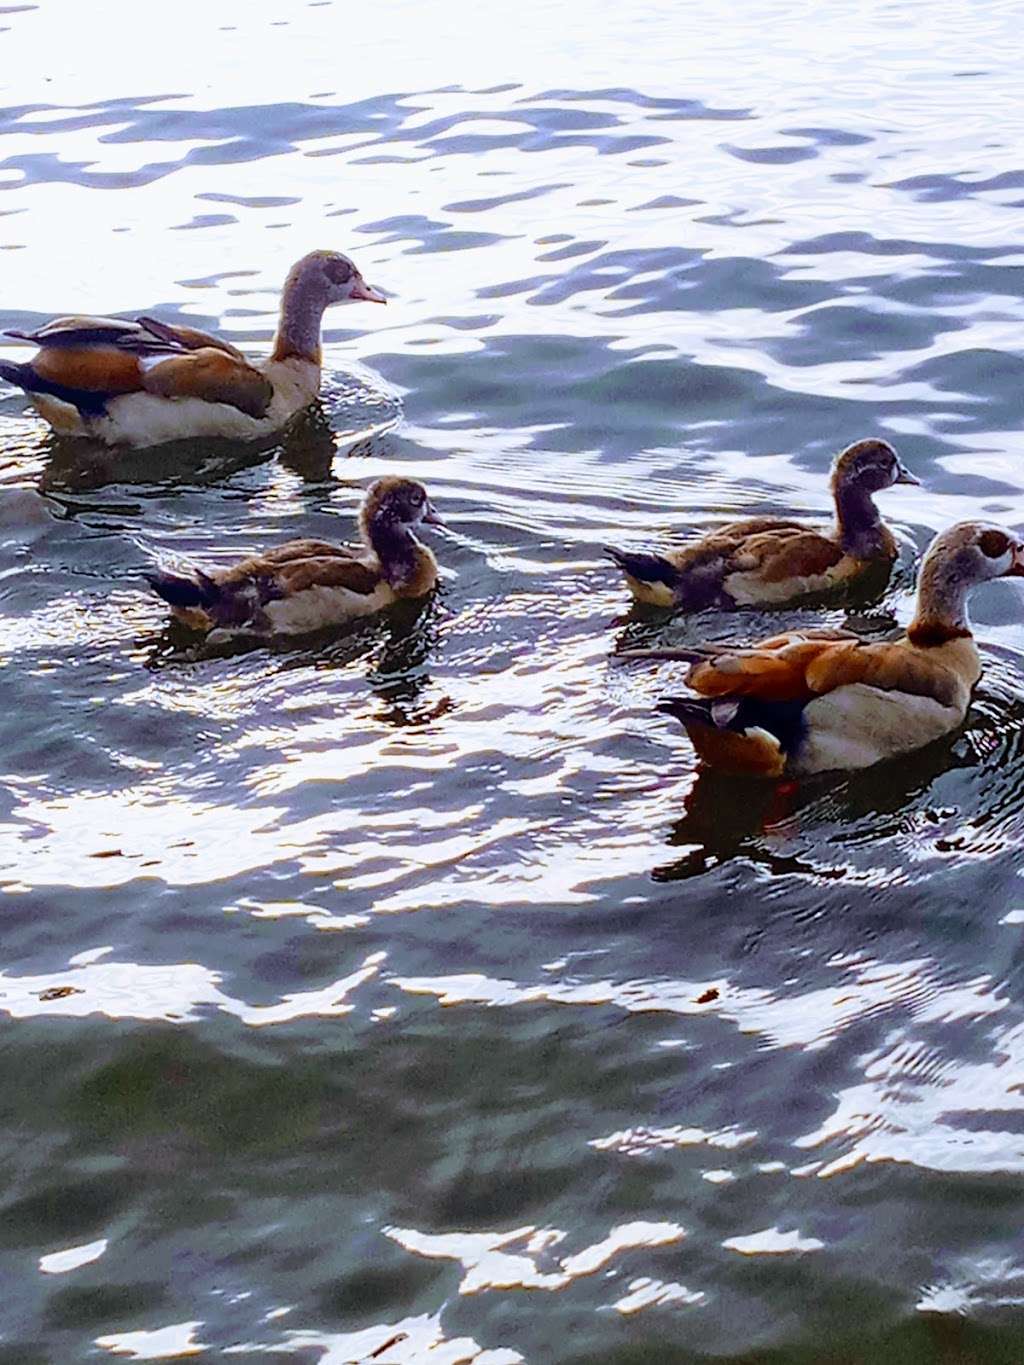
(339, 271)
(993, 544)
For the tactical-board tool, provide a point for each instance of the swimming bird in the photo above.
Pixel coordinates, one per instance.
(768, 560)
(305, 585)
(144, 382)
(811, 700)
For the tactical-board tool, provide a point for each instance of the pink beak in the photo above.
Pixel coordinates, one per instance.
(361, 290)
(1016, 569)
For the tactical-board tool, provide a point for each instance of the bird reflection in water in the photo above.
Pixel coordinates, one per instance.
(78, 464)
(407, 633)
(725, 817)
(314, 440)
(396, 646)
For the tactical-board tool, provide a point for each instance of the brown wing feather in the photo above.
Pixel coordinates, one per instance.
(214, 376)
(335, 572)
(92, 369)
(800, 555)
(83, 330)
(727, 541)
(307, 549)
(301, 564)
(776, 673)
(797, 668)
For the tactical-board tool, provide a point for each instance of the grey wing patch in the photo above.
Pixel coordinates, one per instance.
(183, 337)
(96, 331)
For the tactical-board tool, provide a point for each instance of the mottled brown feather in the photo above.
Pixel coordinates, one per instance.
(335, 572)
(726, 541)
(308, 549)
(801, 556)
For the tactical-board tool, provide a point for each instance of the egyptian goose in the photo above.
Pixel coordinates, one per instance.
(809, 701)
(305, 585)
(145, 382)
(768, 560)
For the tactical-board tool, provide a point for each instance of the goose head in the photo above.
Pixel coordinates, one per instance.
(869, 466)
(334, 277)
(972, 552)
(959, 559)
(396, 504)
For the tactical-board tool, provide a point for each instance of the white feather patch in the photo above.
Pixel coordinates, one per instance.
(856, 726)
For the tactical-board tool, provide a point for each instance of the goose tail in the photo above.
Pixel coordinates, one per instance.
(183, 590)
(644, 566)
(21, 376)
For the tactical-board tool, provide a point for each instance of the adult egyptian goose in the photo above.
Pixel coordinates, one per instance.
(809, 701)
(305, 585)
(145, 382)
(768, 560)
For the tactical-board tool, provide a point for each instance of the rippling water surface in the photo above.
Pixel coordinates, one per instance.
(405, 994)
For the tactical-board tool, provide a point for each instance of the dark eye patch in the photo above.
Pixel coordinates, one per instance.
(994, 544)
(339, 271)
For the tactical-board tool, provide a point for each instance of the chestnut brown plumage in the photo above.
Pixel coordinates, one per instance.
(304, 585)
(147, 381)
(773, 560)
(806, 701)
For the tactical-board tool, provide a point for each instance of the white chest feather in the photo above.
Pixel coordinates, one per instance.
(857, 725)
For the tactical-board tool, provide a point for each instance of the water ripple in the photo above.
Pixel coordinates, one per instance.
(355, 986)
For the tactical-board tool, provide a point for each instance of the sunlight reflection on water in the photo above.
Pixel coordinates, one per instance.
(577, 1000)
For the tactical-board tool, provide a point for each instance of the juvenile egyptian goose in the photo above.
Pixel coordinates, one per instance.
(305, 585)
(145, 382)
(809, 701)
(768, 560)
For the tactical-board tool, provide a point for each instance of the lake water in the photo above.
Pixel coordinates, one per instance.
(405, 994)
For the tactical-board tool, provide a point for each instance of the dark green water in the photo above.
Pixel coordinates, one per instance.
(404, 994)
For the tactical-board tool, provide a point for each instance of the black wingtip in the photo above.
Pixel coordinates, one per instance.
(688, 710)
(644, 566)
(14, 373)
(180, 590)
